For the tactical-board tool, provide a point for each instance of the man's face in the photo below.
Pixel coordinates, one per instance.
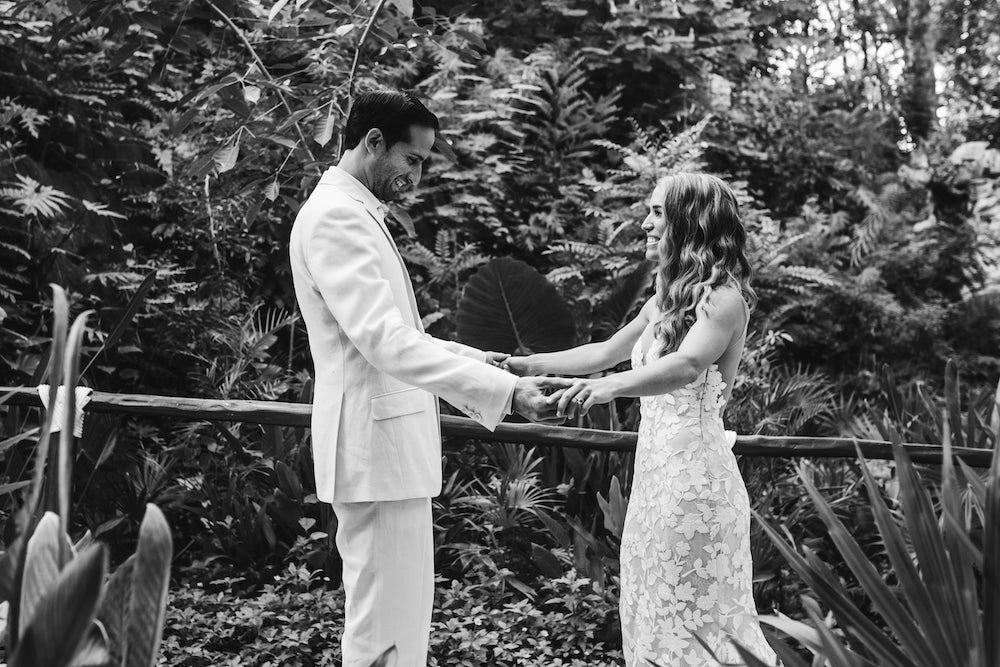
(397, 169)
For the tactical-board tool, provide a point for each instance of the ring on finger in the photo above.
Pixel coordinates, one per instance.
(578, 400)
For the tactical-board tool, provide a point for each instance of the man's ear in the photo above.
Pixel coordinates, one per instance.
(374, 139)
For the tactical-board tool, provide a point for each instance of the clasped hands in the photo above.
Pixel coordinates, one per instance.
(551, 400)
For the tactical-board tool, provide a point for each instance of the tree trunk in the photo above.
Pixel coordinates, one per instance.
(920, 25)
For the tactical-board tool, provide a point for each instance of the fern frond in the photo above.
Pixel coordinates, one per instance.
(33, 198)
(563, 274)
(580, 249)
(810, 274)
(420, 255)
(16, 250)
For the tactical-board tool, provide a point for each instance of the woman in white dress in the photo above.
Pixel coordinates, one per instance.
(685, 555)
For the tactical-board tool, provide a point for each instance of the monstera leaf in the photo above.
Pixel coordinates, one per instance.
(510, 307)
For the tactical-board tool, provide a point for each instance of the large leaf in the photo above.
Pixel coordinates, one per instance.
(510, 307)
(405, 7)
(113, 612)
(323, 129)
(93, 650)
(60, 625)
(60, 325)
(67, 441)
(614, 507)
(150, 581)
(43, 562)
(626, 295)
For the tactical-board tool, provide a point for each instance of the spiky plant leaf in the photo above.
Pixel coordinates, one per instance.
(134, 304)
(991, 550)
(786, 654)
(952, 401)
(930, 642)
(882, 596)
(805, 634)
(937, 572)
(836, 654)
(510, 307)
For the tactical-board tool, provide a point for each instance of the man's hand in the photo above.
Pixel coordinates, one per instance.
(497, 359)
(536, 398)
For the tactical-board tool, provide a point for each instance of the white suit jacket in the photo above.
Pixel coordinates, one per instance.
(375, 426)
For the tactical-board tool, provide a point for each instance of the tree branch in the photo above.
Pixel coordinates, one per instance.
(260, 63)
(354, 66)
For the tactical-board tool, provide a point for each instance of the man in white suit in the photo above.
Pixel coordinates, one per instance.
(375, 424)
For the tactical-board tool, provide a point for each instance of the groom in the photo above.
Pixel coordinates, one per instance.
(375, 423)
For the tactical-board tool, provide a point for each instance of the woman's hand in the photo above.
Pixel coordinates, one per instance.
(496, 358)
(585, 394)
(520, 366)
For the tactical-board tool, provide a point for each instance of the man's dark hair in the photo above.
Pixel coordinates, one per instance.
(391, 111)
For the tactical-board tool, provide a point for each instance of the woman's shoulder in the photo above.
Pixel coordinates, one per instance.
(725, 301)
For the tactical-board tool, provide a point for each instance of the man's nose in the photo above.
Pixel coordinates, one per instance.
(416, 174)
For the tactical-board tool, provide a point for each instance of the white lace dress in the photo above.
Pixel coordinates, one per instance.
(685, 554)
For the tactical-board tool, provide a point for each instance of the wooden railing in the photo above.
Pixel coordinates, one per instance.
(298, 414)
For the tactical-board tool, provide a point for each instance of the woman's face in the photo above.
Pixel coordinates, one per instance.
(655, 225)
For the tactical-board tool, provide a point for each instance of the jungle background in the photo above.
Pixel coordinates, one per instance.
(153, 154)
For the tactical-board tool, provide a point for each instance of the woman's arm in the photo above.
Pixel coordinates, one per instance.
(718, 321)
(585, 359)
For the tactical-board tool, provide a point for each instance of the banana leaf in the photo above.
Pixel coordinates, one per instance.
(510, 307)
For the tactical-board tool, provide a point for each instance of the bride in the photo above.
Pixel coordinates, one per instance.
(685, 552)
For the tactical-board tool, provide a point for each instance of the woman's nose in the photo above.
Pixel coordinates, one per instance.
(646, 224)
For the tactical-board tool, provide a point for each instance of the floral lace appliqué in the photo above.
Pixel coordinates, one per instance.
(685, 554)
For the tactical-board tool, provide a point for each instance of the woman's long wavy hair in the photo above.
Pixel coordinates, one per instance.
(703, 247)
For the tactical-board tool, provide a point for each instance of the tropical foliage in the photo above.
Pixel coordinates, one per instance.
(61, 607)
(153, 154)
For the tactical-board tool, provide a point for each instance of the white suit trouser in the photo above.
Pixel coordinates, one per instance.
(388, 553)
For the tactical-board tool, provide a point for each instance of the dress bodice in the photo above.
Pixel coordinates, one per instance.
(697, 406)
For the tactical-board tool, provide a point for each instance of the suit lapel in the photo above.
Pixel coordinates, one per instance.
(380, 221)
(353, 188)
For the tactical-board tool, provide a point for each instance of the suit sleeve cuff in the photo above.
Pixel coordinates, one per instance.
(509, 408)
